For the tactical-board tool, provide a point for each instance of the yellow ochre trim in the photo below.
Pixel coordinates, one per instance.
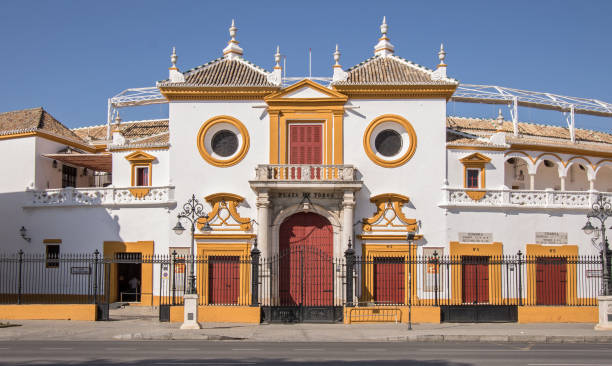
(225, 236)
(146, 248)
(83, 312)
(475, 161)
(140, 159)
(220, 313)
(223, 163)
(47, 136)
(52, 241)
(216, 93)
(139, 192)
(402, 159)
(476, 195)
(229, 202)
(494, 249)
(559, 251)
(387, 237)
(558, 314)
(396, 91)
(389, 202)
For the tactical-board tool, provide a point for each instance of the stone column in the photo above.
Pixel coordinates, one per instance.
(263, 223)
(348, 216)
(591, 184)
(562, 183)
(531, 182)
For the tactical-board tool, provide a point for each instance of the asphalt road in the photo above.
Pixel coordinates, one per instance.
(176, 353)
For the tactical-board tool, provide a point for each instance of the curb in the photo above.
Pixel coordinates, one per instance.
(439, 338)
(173, 336)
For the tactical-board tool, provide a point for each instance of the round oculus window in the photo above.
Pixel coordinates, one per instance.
(388, 142)
(224, 143)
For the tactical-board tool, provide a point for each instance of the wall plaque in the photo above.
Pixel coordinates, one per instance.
(476, 237)
(551, 237)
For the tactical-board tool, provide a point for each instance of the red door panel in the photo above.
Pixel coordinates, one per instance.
(389, 282)
(305, 147)
(551, 280)
(223, 280)
(475, 275)
(306, 268)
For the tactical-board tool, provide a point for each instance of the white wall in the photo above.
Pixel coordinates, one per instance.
(122, 169)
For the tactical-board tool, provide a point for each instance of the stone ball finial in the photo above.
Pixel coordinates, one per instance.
(337, 56)
(442, 54)
(232, 30)
(173, 57)
(384, 27)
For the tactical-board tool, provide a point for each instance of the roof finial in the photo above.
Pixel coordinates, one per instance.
(500, 120)
(173, 57)
(384, 47)
(232, 50)
(277, 58)
(337, 57)
(442, 55)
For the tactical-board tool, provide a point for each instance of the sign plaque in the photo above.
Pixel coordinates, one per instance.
(476, 237)
(551, 237)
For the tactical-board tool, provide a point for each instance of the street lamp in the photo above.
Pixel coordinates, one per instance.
(193, 210)
(601, 211)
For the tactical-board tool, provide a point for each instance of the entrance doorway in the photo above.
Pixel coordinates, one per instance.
(551, 280)
(129, 276)
(306, 271)
(475, 278)
(389, 281)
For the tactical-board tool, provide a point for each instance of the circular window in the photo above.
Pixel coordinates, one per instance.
(223, 141)
(388, 142)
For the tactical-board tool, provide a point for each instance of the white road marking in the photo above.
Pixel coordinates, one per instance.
(246, 349)
(56, 348)
(184, 349)
(568, 364)
(309, 349)
(120, 349)
(4, 348)
(371, 349)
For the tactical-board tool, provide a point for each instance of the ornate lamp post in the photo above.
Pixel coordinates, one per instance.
(193, 210)
(601, 211)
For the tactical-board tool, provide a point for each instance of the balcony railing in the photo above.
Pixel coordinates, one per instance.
(305, 173)
(506, 198)
(108, 196)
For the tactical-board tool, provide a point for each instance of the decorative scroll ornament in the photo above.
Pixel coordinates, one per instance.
(224, 215)
(389, 216)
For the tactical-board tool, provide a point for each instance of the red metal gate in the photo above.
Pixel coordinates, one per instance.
(223, 279)
(306, 263)
(389, 280)
(475, 275)
(551, 280)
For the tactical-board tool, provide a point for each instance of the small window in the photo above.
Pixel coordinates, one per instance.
(69, 175)
(388, 142)
(52, 256)
(142, 176)
(225, 143)
(472, 178)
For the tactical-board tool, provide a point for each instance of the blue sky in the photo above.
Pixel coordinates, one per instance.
(70, 56)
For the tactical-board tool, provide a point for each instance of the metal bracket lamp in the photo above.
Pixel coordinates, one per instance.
(601, 210)
(23, 233)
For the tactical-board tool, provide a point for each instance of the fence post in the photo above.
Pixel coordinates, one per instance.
(520, 280)
(255, 253)
(436, 269)
(173, 271)
(350, 264)
(95, 283)
(19, 281)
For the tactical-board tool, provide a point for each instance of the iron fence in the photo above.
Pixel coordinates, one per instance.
(476, 280)
(301, 278)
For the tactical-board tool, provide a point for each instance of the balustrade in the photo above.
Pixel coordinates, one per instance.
(107, 196)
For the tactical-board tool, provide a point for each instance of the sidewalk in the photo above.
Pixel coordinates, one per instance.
(151, 329)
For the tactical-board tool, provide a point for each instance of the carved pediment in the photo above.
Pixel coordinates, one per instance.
(305, 91)
(389, 216)
(224, 215)
(140, 157)
(475, 159)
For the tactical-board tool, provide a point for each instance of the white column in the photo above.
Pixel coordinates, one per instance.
(531, 182)
(348, 205)
(562, 183)
(263, 223)
(592, 185)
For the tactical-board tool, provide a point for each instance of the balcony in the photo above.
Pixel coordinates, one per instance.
(305, 175)
(506, 198)
(108, 196)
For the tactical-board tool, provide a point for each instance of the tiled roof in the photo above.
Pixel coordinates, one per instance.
(130, 130)
(34, 119)
(225, 72)
(526, 130)
(459, 130)
(391, 70)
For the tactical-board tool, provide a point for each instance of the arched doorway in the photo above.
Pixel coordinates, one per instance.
(306, 261)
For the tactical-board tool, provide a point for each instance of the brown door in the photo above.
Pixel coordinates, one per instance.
(306, 261)
(475, 274)
(551, 280)
(223, 279)
(389, 282)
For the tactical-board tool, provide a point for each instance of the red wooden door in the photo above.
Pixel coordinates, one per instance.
(551, 280)
(305, 256)
(475, 274)
(305, 144)
(223, 279)
(389, 281)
